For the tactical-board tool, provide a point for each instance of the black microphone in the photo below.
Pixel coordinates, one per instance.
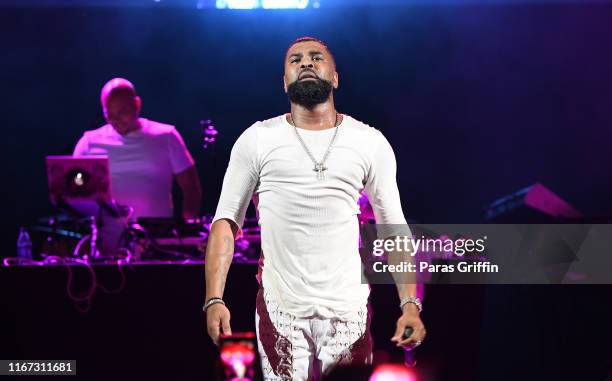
(409, 359)
(407, 333)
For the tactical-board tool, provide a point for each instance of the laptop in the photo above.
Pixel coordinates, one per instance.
(78, 179)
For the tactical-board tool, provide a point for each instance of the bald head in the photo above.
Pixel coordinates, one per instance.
(121, 105)
(116, 85)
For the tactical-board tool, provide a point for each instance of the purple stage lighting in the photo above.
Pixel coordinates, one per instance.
(265, 4)
(392, 372)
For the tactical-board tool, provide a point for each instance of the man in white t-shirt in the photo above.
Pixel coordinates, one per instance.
(145, 157)
(305, 171)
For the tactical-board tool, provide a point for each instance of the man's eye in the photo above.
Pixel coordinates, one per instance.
(317, 58)
(294, 60)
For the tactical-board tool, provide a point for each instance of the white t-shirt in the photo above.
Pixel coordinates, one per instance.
(309, 229)
(142, 164)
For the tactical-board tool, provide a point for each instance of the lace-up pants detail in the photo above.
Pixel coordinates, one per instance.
(293, 348)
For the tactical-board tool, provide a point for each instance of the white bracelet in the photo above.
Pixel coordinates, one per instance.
(411, 299)
(212, 301)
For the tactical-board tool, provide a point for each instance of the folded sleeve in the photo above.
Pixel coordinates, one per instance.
(180, 158)
(240, 180)
(382, 191)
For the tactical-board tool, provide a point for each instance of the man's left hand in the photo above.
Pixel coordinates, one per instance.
(410, 318)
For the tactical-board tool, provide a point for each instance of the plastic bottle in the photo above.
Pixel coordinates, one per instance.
(24, 245)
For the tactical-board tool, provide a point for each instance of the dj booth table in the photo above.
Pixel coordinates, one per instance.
(153, 327)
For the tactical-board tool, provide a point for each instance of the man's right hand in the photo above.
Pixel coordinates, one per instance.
(218, 318)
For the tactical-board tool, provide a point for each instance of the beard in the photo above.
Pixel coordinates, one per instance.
(309, 93)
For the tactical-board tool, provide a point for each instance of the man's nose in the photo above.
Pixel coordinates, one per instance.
(310, 65)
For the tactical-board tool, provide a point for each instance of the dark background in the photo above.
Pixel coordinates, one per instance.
(478, 100)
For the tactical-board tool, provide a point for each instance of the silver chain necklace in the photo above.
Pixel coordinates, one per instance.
(319, 166)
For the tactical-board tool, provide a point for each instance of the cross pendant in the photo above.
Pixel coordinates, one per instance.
(320, 168)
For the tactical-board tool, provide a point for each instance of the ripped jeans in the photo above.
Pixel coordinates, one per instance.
(301, 349)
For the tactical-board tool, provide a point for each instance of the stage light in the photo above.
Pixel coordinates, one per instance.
(237, 4)
(239, 358)
(265, 4)
(284, 4)
(392, 372)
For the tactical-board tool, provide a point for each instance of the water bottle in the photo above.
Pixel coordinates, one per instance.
(24, 245)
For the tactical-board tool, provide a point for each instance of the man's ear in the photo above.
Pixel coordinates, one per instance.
(138, 103)
(335, 81)
(285, 84)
